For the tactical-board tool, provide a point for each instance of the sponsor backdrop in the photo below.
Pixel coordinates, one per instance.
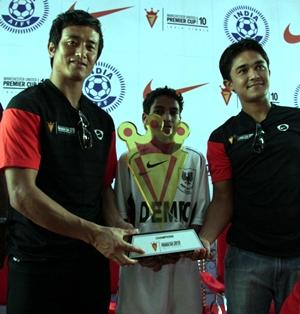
(152, 43)
(148, 44)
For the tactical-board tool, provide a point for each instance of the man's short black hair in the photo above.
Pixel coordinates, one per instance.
(231, 52)
(71, 18)
(161, 91)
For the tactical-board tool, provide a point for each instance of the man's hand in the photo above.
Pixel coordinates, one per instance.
(202, 253)
(156, 263)
(110, 242)
(123, 224)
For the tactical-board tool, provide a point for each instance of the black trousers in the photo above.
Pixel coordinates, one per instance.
(73, 287)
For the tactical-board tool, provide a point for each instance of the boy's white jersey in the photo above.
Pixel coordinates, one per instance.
(175, 288)
(188, 206)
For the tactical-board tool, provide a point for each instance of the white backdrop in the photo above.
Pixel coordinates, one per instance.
(162, 42)
(180, 49)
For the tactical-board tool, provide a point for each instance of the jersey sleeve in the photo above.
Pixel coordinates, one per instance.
(218, 161)
(1, 111)
(111, 164)
(122, 186)
(19, 139)
(201, 191)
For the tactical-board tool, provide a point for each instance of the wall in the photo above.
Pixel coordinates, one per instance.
(180, 49)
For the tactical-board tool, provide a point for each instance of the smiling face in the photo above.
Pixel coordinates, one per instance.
(76, 53)
(249, 77)
(168, 108)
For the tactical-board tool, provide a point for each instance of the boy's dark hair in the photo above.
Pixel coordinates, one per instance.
(71, 18)
(231, 52)
(161, 91)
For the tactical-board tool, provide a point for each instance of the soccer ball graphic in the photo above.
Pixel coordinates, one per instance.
(246, 27)
(21, 9)
(98, 87)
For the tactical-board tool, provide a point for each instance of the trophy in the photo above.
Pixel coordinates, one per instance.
(156, 160)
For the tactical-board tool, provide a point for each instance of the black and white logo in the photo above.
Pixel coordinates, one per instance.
(23, 16)
(187, 180)
(283, 127)
(105, 86)
(243, 22)
(297, 97)
(99, 134)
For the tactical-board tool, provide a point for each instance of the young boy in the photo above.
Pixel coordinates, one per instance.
(168, 284)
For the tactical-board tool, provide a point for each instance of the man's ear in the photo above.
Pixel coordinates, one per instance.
(228, 85)
(51, 49)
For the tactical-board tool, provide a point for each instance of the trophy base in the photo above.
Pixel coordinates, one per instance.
(165, 242)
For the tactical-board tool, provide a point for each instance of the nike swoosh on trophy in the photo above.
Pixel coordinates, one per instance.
(149, 165)
(289, 37)
(101, 13)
